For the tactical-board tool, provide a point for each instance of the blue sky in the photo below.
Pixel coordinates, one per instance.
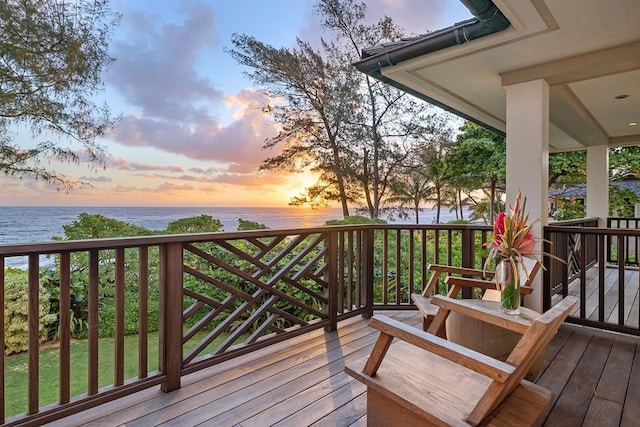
(191, 131)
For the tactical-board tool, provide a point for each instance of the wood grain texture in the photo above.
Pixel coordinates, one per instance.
(312, 394)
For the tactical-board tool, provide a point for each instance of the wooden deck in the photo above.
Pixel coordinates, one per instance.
(611, 305)
(301, 382)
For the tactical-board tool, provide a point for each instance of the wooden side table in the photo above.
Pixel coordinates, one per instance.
(489, 339)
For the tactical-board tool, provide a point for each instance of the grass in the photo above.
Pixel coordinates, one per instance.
(16, 370)
(16, 380)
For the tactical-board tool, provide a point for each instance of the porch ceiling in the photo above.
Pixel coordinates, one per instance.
(588, 51)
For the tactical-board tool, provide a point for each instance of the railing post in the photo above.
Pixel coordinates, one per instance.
(468, 255)
(366, 279)
(546, 271)
(171, 260)
(331, 292)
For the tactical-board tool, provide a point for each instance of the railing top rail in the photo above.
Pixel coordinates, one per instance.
(137, 241)
(433, 226)
(128, 242)
(569, 222)
(623, 218)
(593, 230)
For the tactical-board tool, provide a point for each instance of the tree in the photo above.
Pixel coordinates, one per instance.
(52, 56)
(414, 191)
(388, 118)
(623, 161)
(194, 224)
(478, 161)
(567, 168)
(313, 100)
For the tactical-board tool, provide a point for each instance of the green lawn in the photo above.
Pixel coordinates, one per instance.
(16, 370)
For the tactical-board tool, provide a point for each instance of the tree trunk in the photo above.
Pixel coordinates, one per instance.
(376, 174)
(439, 202)
(492, 206)
(340, 179)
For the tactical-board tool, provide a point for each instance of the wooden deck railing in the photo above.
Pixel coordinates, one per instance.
(631, 244)
(211, 297)
(607, 291)
(569, 247)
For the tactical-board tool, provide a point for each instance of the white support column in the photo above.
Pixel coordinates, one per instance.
(528, 159)
(598, 183)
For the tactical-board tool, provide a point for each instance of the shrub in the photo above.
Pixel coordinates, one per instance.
(355, 220)
(244, 224)
(79, 304)
(16, 310)
(107, 313)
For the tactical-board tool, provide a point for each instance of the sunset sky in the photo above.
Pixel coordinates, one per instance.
(192, 129)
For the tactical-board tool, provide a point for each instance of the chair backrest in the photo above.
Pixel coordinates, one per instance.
(531, 267)
(533, 342)
(467, 277)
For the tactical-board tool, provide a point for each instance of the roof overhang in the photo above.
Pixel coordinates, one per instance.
(588, 51)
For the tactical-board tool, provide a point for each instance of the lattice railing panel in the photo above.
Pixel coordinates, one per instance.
(239, 291)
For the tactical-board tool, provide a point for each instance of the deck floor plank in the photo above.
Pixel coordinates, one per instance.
(223, 397)
(569, 409)
(602, 413)
(631, 411)
(302, 383)
(560, 370)
(617, 371)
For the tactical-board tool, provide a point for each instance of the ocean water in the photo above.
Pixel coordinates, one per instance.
(20, 224)
(27, 224)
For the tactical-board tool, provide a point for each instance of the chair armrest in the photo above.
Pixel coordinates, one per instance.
(464, 271)
(488, 366)
(497, 318)
(439, 269)
(470, 283)
(479, 283)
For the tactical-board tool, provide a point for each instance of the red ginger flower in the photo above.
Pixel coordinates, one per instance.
(512, 236)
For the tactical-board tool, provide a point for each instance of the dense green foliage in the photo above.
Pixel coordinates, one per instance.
(16, 326)
(198, 224)
(244, 224)
(90, 226)
(355, 220)
(221, 280)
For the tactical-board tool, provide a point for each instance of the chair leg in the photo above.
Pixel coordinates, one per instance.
(426, 322)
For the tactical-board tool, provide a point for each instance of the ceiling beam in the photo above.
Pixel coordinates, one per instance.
(612, 60)
(621, 141)
(571, 116)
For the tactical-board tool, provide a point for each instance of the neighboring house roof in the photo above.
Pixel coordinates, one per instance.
(580, 190)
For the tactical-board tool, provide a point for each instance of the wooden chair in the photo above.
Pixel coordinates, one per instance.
(466, 277)
(427, 380)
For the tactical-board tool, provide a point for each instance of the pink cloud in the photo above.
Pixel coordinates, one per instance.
(124, 164)
(251, 180)
(167, 186)
(125, 189)
(239, 144)
(95, 178)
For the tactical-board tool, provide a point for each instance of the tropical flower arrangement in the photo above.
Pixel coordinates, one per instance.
(512, 237)
(512, 242)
